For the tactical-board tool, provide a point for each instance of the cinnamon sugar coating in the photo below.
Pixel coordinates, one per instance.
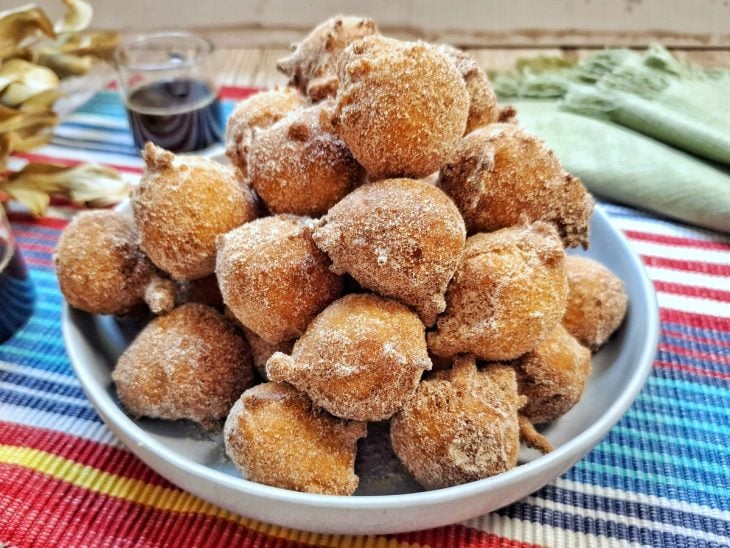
(359, 359)
(188, 364)
(312, 66)
(102, 270)
(399, 237)
(401, 106)
(182, 205)
(507, 294)
(552, 376)
(275, 436)
(461, 425)
(299, 166)
(273, 278)
(483, 109)
(257, 112)
(501, 175)
(597, 302)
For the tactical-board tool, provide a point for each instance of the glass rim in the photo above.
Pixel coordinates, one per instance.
(140, 38)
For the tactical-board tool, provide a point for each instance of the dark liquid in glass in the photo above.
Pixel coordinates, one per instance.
(180, 115)
(16, 293)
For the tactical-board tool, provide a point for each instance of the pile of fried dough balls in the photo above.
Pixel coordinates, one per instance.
(389, 246)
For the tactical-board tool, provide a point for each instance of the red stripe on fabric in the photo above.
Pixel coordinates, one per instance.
(674, 240)
(694, 320)
(693, 370)
(40, 248)
(24, 234)
(460, 535)
(32, 157)
(689, 266)
(43, 263)
(44, 511)
(693, 338)
(28, 219)
(715, 358)
(106, 458)
(232, 92)
(693, 291)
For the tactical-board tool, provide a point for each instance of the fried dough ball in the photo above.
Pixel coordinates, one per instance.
(596, 301)
(181, 205)
(483, 109)
(401, 106)
(262, 350)
(399, 237)
(188, 364)
(507, 295)
(552, 376)
(461, 425)
(299, 166)
(312, 67)
(273, 278)
(257, 112)
(501, 175)
(275, 436)
(102, 270)
(359, 359)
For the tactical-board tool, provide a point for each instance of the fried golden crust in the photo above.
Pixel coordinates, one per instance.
(399, 237)
(359, 359)
(312, 67)
(257, 112)
(597, 302)
(275, 436)
(273, 278)
(483, 109)
(552, 376)
(99, 265)
(461, 425)
(188, 364)
(501, 175)
(299, 166)
(182, 205)
(507, 295)
(401, 106)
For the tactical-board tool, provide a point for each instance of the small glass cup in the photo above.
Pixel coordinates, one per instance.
(17, 295)
(169, 92)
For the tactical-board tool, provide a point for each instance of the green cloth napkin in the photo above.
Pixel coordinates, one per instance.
(639, 128)
(626, 166)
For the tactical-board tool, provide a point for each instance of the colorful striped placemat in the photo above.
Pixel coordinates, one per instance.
(661, 477)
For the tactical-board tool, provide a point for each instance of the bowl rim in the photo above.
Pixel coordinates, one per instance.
(128, 430)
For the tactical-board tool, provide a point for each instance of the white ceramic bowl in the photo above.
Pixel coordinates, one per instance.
(196, 462)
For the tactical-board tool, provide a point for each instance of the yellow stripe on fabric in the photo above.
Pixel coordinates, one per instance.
(166, 499)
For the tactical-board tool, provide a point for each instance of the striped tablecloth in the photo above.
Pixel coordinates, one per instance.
(661, 477)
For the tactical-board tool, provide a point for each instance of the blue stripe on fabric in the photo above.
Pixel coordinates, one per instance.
(719, 365)
(649, 483)
(683, 385)
(80, 411)
(634, 509)
(71, 124)
(595, 526)
(96, 146)
(43, 385)
(666, 440)
(696, 346)
(667, 373)
(698, 331)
